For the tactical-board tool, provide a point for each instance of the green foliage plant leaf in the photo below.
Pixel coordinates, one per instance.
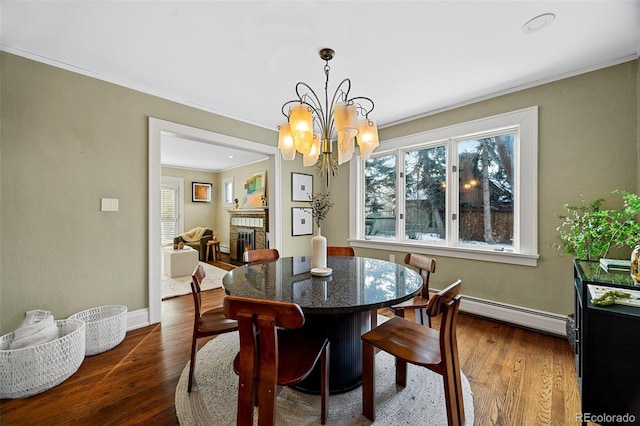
(589, 232)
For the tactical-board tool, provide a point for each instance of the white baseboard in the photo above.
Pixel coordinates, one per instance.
(224, 249)
(524, 317)
(137, 319)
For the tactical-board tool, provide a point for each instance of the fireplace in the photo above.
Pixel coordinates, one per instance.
(248, 229)
(245, 241)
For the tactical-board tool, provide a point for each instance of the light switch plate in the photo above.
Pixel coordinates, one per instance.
(109, 204)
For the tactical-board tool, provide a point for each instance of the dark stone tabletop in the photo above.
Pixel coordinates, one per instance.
(356, 283)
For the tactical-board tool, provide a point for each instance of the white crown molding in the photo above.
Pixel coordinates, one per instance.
(123, 83)
(155, 92)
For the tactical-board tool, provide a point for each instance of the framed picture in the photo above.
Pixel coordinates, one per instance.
(301, 187)
(254, 189)
(227, 191)
(201, 192)
(301, 221)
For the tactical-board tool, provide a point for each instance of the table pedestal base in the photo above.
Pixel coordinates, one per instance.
(345, 354)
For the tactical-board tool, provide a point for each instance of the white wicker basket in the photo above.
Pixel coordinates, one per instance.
(34, 369)
(106, 327)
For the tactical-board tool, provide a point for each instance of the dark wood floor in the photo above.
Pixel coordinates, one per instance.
(518, 377)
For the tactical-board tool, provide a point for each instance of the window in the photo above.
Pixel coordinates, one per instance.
(485, 190)
(171, 204)
(425, 172)
(169, 215)
(380, 196)
(468, 190)
(227, 191)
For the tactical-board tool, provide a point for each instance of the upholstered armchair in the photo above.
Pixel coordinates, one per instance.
(196, 238)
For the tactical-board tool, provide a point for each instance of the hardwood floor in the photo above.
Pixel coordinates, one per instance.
(518, 377)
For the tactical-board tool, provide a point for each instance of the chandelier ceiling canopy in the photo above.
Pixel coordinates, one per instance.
(314, 124)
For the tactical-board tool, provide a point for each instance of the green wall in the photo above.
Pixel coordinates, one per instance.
(196, 213)
(67, 140)
(588, 144)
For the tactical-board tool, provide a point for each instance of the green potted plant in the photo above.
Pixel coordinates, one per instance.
(588, 232)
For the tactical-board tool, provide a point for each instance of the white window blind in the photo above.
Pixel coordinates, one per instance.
(169, 214)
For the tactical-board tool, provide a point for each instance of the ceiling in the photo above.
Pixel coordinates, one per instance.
(242, 59)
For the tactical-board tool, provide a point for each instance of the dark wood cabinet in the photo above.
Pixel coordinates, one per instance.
(607, 349)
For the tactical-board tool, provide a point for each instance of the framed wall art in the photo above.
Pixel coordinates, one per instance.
(301, 221)
(255, 189)
(301, 187)
(201, 192)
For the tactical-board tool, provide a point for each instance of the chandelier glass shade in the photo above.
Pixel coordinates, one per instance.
(313, 125)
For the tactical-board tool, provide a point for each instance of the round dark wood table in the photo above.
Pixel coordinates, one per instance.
(337, 306)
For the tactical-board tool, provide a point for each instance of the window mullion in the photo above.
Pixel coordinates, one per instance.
(452, 193)
(401, 180)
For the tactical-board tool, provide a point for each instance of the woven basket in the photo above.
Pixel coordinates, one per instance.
(106, 327)
(34, 369)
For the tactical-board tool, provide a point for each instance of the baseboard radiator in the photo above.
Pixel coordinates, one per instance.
(524, 317)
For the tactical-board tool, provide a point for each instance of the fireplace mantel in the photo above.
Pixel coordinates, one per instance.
(259, 210)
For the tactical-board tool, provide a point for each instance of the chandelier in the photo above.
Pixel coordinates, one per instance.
(313, 125)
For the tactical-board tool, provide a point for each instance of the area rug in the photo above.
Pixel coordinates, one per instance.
(213, 398)
(179, 286)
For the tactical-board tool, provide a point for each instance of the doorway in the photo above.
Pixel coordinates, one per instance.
(159, 127)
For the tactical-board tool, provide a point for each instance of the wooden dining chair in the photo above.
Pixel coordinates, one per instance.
(273, 352)
(340, 251)
(425, 266)
(413, 343)
(208, 323)
(260, 255)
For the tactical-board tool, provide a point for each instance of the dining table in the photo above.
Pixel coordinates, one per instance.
(337, 306)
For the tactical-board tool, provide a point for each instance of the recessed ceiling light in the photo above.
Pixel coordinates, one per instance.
(230, 156)
(538, 23)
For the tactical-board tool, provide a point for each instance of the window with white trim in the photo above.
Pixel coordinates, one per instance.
(468, 190)
(227, 191)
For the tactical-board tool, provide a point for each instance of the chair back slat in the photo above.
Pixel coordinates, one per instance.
(425, 266)
(198, 275)
(247, 364)
(449, 355)
(286, 315)
(435, 306)
(340, 251)
(196, 281)
(267, 368)
(450, 310)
